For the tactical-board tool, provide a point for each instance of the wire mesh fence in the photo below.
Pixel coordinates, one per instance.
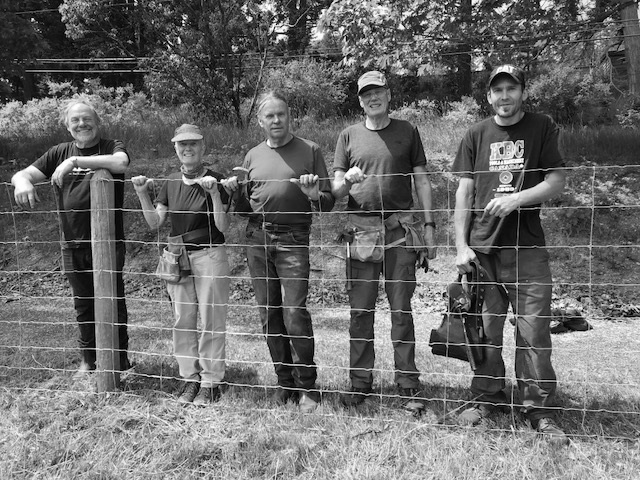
(592, 236)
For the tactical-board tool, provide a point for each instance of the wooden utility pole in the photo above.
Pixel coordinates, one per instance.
(103, 248)
(631, 28)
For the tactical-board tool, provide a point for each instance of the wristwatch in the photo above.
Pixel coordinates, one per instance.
(430, 224)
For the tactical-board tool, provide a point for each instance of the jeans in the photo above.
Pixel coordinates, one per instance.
(279, 266)
(78, 268)
(204, 291)
(399, 270)
(523, 279)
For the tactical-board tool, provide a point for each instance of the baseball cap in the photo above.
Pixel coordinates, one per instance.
(370, 80)
(514, 72)
(187, 132)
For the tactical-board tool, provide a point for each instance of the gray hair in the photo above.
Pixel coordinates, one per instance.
(268, 96)
(64, 114)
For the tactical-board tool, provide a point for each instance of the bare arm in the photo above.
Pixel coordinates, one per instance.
(423, 190)
(117, 162)
(551, 186)
(155, 217)
(220, 216)
(462, 223)
(342, 181)
(23, 181)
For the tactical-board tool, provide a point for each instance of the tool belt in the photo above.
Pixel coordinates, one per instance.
(365, 235)
(174, 263)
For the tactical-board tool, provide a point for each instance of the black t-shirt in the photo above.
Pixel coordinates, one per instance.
(190, 207)
(74, 198)
(504, 160)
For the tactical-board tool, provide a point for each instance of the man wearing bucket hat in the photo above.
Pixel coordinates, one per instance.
(508, 165)
(193, 200)
(375, 162)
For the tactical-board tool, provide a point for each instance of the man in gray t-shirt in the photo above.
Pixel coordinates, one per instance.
(375, 162)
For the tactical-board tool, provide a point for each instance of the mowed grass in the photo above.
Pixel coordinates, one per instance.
(55, 427)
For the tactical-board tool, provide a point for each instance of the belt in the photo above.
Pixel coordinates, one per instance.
(390, 222)
(192, 240)
(279, 227)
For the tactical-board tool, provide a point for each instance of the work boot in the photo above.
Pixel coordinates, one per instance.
(284, 395)
(206, 396)
(189, 392)
(551, 431)
(87, 364)
(355, 396)
(473, 415)
(412, 400)
(307, 404)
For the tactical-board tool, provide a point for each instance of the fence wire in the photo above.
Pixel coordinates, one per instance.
(592, 234)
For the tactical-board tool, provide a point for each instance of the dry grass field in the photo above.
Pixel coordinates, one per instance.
(53, 426)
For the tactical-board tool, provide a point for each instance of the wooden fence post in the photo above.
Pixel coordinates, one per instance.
(103, 247)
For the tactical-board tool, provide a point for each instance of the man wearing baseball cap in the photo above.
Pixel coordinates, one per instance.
(508, 165)
(375, 162)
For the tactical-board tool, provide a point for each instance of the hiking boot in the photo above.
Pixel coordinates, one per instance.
(550, 430)
(86, 367)
(307, 404)
(355, 396)
(83, 370)
(125, 364)
(206, 396)
(189, 393)
(475, 414)
(284, 395)
(412, 400)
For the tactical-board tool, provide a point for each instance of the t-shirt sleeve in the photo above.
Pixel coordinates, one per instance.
(48, 162)
(418, 158)
(163, 194)
(326, 199)
(341, 157)
(551, 157)
(463, 163)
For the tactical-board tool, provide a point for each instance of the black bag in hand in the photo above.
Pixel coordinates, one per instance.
(461, 333)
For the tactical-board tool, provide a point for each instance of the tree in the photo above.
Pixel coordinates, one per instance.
(30, 29)
(451, 35)
(631, 31)
(108, 28)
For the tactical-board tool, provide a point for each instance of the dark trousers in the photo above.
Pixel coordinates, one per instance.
(399, 270)
(279, 266)
(78, 267)
(523, 279)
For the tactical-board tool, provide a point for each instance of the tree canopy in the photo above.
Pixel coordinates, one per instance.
(216, 54)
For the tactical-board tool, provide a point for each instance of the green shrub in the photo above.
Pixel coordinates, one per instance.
(462, 113)
(418, 112)
(313, 88)
(569, 97)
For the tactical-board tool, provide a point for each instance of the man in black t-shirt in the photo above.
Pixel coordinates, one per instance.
(508, 165)
(70, 166)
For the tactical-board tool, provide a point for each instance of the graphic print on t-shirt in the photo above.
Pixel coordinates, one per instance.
(505, 157)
